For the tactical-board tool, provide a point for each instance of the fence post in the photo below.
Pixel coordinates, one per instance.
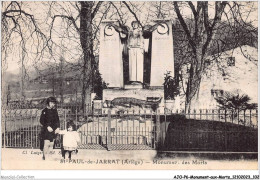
(256, 118)
(238, 116)
(109, 131)
(65, 118)
(31, 130)
(232, 115)
(244, 117)
(157, 134)
(250, 120)
(225, 130)
(76, 112)
(165, 130)
(4, 128)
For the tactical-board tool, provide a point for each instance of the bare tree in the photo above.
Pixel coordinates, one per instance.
(202, 35)
(18, 21)
(74, 27)
(199, 41)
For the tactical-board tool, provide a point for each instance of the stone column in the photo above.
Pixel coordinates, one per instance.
(110, 55)
(162, 52)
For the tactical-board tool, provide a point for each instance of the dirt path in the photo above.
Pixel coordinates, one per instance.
(101, 159)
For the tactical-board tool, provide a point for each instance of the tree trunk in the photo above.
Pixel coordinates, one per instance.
(61, 80)
(195, 75)
(199, 38)
(87, 47)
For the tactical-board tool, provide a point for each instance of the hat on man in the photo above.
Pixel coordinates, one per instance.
(51, 99)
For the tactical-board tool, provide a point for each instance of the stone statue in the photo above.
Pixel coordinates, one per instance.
(136, 53)
(135, 47)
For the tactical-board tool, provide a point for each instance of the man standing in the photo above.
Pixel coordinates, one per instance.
(50, 122)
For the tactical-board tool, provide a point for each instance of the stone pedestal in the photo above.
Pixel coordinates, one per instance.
(133, 86)
(142, 94)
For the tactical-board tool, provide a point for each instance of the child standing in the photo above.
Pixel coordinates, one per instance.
(70, 139)
(50, 122)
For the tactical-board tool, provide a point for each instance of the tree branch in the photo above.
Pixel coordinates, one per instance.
(133, 14)
(184, 25)
(193, 9)
(70, 18)
(93, 14)
(121, 19)
(31, 17)
(219, 9)
(95, 33)
(206, 15)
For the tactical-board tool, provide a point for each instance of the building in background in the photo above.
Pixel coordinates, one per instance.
(235, 71)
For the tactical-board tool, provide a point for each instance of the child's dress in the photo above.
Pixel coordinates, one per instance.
(70, 140)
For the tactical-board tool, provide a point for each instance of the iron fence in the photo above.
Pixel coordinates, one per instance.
(214, 130)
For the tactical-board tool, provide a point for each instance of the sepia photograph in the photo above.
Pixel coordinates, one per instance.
(129, 85)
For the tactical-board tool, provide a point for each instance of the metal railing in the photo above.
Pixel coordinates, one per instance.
(194, 130)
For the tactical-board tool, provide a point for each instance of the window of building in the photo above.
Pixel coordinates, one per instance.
(231, 61)
(207, 62)
(217, 92)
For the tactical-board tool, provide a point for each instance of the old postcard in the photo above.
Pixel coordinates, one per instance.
(130, 85)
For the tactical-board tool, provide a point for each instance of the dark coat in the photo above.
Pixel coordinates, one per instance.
(49, 117)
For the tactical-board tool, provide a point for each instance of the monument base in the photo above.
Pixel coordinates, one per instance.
(133, 86)
(144, 95)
